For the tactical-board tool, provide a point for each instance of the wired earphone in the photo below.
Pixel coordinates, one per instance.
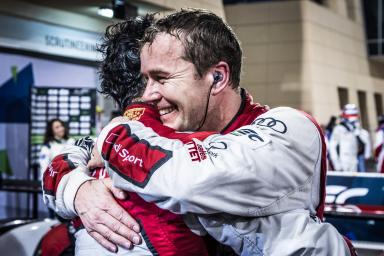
(217, 77)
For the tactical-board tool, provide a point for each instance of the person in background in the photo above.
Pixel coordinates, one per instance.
(330, 126)
(348, 141)
(379, 140)
(328, 129)
(364, 147)
(55, 139)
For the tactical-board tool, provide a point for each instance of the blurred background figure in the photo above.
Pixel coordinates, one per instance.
(349, 142)
(327, 130)
(379, 141)
(364, 150)
(55, 139)
(330, 126)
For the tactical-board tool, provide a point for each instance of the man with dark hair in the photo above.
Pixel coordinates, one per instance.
(120, 68)
(266, 166)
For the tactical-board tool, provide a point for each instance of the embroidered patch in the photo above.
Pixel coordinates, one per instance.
(134, 114)
(60, 166)
(271, 123)
(133, 159)
(196, 151)
(251, 137)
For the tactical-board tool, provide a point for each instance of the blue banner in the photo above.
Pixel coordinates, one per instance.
(15, 97)
(355, 205)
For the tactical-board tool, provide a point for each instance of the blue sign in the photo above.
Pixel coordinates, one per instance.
(355, 205)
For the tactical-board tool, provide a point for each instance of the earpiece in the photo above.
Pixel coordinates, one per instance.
(217, 76)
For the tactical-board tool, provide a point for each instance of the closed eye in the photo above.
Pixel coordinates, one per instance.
(160, 78)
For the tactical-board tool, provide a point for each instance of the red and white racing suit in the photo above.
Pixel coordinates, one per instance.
(162, 232)
(268, 167)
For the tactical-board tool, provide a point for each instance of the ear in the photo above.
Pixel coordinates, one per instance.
(219, 77)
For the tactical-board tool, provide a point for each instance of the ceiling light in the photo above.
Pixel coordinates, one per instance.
(105, 12)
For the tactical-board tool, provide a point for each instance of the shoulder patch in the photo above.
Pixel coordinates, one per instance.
(251, 137)
(134, 114)
(271, 123)
(133, 159)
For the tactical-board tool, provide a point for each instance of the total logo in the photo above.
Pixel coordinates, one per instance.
(124, 153)
(340, 194)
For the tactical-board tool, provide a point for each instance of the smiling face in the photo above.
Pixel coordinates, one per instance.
(173, 84)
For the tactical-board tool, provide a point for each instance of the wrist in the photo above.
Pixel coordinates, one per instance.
(77, 199)
(76, 180)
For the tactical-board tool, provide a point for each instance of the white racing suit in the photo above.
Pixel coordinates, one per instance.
(344, 146)
(162, 232)
(270, 169)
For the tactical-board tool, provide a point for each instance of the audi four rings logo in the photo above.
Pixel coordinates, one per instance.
(272, 123)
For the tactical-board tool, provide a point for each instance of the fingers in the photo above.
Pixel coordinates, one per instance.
(110, 237)
(104, 217)
(103, 241)
(118, 193)
(127, 221)
(109, 228)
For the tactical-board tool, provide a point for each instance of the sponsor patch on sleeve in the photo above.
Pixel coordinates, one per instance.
(251, 137)
(59, 166)
(134, 114)
(133, 159)
(196, 151)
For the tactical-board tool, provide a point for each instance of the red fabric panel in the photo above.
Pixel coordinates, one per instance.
(56, 241)
(132, 158)
(323, 175)
(55, 171)
(150, 117)
(165, 232)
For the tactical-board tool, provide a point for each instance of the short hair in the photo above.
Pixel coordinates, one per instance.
(119, 71)
(49, 136)
(206, 38)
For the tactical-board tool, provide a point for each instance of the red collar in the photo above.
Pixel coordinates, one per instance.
(247, 113)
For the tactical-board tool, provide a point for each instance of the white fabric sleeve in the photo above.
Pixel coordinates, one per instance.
(368, 144)
(67, 173)
(268, 166)
(44, 159)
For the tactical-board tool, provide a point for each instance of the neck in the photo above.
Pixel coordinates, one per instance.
(57, 138)
(223, 107)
